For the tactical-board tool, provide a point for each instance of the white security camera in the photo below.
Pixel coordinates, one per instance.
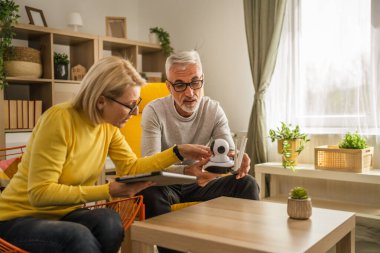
(219, 161)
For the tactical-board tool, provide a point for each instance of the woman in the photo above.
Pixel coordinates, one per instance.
(41, 207)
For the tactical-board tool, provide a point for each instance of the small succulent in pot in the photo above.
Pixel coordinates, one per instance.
(299, 204)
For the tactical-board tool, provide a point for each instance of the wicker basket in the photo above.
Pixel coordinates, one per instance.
(23, 54)
(24, 62)
(351, 160)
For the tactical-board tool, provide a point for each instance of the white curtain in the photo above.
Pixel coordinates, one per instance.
(327, 73)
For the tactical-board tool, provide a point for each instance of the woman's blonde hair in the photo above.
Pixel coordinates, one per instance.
(110, 76)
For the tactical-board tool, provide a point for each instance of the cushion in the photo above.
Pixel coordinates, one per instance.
(4, 179)
(10, 166)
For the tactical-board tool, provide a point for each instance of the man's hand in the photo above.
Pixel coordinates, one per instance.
(197, 170)
(245, 165)
(123, 190)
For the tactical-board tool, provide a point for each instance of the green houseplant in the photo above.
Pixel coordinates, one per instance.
(352, 154)
(353, 141)
(290, 141)
(8, 18)
(299, 204)
(61, 62)
(164, 39)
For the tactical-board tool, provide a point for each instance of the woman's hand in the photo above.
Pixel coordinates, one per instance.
(245, 165)
(123, 190)
(203, 177)
(194, 151)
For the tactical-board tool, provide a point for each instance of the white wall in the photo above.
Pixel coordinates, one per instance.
(214, 27)
(93, 13)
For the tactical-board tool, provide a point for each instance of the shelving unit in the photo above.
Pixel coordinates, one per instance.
(347, 191)
(84, 49)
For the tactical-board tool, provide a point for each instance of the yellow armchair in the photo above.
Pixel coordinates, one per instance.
(132, 129)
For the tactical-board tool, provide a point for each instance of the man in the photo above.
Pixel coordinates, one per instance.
(185, 116)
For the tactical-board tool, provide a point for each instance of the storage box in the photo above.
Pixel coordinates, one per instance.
(351, 160)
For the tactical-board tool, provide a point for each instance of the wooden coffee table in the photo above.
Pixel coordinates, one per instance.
(237, 225)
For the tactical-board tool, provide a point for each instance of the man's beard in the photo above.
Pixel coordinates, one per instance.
(191, 109)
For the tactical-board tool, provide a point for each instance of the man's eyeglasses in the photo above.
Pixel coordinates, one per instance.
(131, 107)
(181, 86)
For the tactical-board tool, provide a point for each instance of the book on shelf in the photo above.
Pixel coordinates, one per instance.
(37, 110)
(6, 113)
(25, 112)
(30, 114)
(12, 114)
(19, 114)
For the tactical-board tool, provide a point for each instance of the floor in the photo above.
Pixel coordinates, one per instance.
(367, 235)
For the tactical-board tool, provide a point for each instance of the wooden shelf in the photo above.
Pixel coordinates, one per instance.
(66, 81)
(85, 49)
(347, 191)
(21, 130)
(308, 170)
(28, 80)
(366, 211)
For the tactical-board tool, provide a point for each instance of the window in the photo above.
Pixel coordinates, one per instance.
(327, 68)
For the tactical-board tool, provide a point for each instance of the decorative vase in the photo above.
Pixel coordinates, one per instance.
(153, 38)
(294, 144)
(61, 71)
(300, 209)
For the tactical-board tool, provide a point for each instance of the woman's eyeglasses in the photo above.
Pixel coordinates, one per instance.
(131, 107)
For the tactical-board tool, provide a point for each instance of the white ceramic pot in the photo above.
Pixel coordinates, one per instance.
(300, 209)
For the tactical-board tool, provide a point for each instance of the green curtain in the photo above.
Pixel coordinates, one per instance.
(263, 25)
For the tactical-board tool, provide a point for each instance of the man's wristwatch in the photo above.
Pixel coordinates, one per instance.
(177, 153)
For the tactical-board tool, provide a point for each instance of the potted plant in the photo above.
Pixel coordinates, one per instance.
(8, 18)
(352, 155)
(353, 141)
(290, 143)
(164, 39)
(299, 204)
(61, 62)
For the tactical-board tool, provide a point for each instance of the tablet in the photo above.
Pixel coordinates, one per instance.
(159, 177)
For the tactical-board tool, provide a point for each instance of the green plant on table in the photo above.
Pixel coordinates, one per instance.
(8, 18)
(353, 141)
(164, 39)
(286, 133)
(61, 59)
(298, 193)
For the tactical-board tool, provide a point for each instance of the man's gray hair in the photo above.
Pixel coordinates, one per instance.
(183, 58)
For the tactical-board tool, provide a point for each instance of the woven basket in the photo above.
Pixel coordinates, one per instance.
(23, 69)
(23, 54)
(23, 62)
(341, 159)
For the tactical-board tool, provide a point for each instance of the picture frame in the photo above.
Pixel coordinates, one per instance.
(36, 16)
(116, 27)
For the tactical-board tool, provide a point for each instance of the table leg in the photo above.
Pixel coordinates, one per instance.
(126, 246)
(347, 243)
(142, 247)
(260, 179)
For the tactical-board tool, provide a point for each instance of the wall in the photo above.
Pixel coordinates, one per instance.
(93, 13)
(214, 27)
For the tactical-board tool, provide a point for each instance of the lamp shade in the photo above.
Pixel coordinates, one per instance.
(75, 20)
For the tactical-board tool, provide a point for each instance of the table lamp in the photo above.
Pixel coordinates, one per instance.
(75, 20)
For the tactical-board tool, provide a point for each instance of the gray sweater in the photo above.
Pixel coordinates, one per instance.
(163, 126)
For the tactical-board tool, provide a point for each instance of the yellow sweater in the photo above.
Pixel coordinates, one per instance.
(64, 158)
